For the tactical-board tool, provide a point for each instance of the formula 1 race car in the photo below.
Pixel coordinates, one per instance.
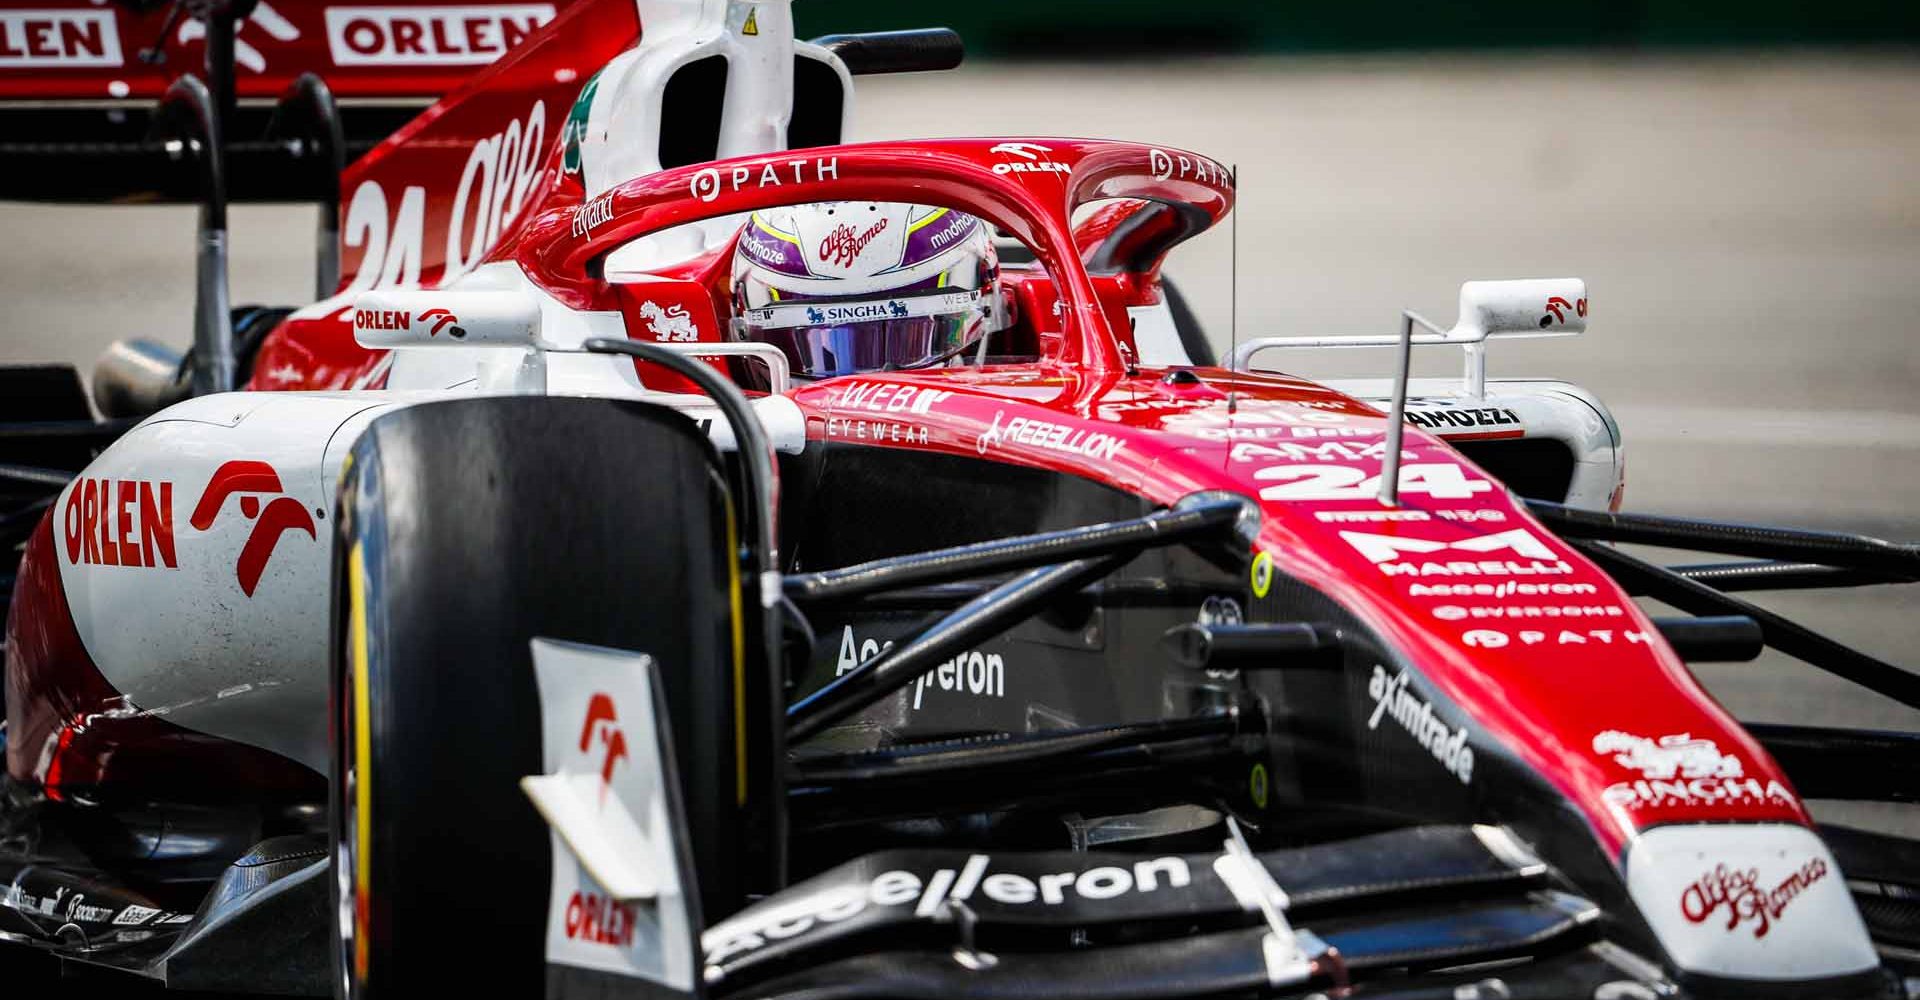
(528, 616)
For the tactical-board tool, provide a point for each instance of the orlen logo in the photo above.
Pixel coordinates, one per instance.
(430, 36)
(599, 919)
(59, 38)
(119, 522)
(601, 720)
(1557, 309)
(251, 480)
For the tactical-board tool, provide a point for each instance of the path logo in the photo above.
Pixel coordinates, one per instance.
(282, 513)
(601, 720)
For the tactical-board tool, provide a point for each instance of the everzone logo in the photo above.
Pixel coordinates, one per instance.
(929, 898)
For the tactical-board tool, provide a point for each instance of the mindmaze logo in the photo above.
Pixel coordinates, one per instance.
(1416, 715)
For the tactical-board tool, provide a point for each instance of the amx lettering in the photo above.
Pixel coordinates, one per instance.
(1325, 451)
(1387, 553)
(709, 183)
(119, 522)
(430, 36)
(1416, 715)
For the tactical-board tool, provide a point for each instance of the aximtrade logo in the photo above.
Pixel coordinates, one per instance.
(251, 481)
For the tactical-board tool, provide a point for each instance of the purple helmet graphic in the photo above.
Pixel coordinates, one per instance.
(854, 286)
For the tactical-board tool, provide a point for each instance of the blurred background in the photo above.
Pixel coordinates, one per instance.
(1738, 184)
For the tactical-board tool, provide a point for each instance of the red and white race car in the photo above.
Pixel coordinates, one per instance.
(545, 610)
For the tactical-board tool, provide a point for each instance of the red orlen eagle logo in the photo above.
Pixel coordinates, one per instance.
(441, 319)
(600, 719)
(282, 514)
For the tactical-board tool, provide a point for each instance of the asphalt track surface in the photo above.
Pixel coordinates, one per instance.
(1749, 227)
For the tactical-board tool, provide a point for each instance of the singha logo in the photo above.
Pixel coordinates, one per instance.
(897, 309)
(814, 315)
(282, 513)
(1678, 755)
(671, 324)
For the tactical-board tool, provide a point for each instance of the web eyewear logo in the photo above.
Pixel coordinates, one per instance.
(602, 721)
(250, 481)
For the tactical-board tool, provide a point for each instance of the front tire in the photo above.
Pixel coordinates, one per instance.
(466, 529)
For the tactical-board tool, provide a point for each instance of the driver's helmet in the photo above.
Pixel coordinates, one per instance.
(862, 286)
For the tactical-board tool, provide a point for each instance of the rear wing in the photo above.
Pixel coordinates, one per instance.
(81, 85)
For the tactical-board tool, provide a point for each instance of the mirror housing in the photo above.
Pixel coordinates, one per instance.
(1524, 307)
(415, 318)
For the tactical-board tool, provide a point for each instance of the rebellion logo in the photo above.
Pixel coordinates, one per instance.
(1744, 899)
(251, 481)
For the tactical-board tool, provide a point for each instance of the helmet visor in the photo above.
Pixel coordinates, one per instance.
(905, 333)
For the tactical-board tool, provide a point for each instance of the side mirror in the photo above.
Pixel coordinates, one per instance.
(1526, 307)
(414, 318)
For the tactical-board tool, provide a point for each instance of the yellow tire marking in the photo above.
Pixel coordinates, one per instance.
(362, 759)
